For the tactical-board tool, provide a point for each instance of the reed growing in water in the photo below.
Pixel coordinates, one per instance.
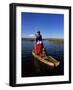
(56, 40)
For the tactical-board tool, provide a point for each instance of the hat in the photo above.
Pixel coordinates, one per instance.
(38, 32)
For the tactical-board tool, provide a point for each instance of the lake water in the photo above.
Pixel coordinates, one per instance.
(32, 67)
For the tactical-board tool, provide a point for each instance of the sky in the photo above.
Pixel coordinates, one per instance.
(50, 25)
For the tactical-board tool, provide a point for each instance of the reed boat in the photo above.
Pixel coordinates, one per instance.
(52, 62)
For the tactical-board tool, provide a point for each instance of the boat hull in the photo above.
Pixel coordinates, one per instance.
(50, 61)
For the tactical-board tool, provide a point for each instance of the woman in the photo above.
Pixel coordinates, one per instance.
(39, 45)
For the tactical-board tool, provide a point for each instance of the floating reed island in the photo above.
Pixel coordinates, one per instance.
(31, 39)
(56, 40)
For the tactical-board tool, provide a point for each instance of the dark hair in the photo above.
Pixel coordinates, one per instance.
(38, 32)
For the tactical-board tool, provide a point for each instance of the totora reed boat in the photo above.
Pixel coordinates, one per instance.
(50, 61)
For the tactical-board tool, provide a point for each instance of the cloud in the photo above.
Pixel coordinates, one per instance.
(28, 36)
(31, 35)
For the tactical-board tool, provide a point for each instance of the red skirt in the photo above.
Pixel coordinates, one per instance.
(39, 49)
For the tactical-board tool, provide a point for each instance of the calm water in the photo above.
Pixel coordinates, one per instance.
(32, 67)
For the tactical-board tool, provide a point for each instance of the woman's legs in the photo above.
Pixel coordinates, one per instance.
(39, 50)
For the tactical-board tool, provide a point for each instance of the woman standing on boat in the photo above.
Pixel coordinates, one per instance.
(39, 45)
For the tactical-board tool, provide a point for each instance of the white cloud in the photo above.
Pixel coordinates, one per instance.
(31, 35)
(28, 36)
